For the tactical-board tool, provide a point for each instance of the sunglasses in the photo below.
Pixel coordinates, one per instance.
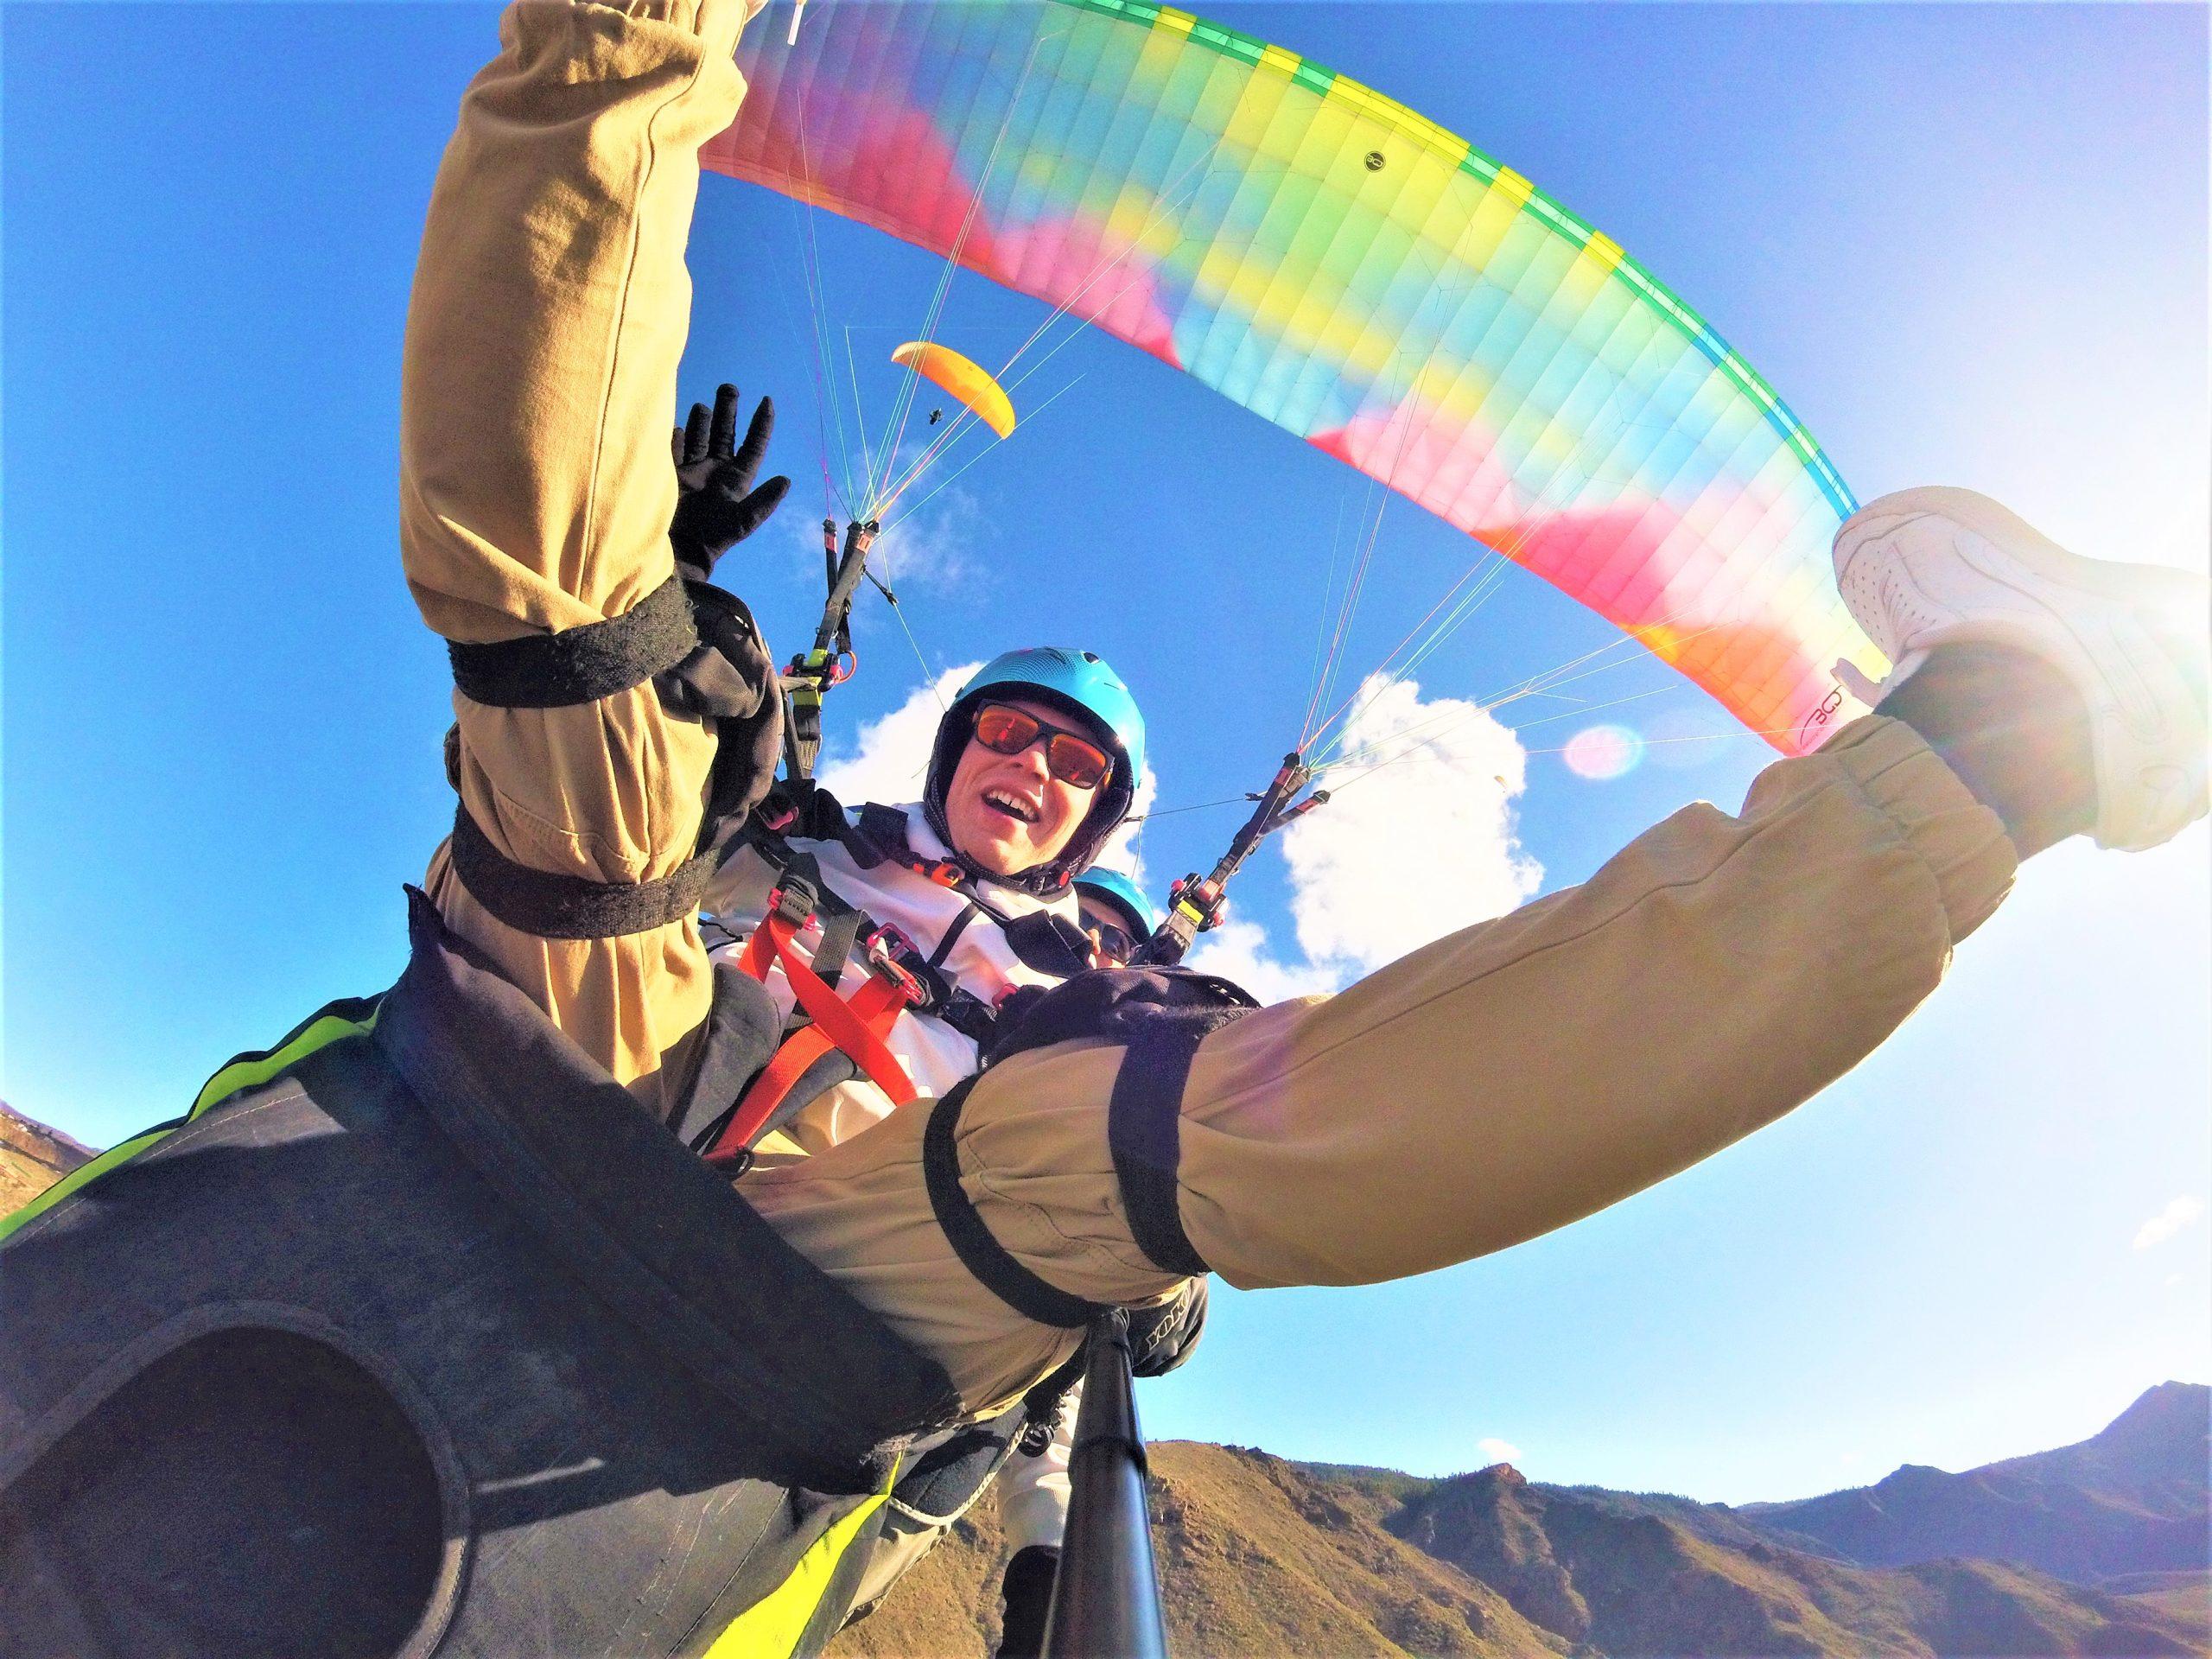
(1114, 943)
(1076, 761)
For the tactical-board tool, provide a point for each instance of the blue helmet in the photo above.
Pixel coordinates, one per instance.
(1114, 888)
(1081, 684)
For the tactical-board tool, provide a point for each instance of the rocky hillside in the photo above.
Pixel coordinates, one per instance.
(1256, 1557)
(32, 1158)
(1261, 1556)
(1620, 1576)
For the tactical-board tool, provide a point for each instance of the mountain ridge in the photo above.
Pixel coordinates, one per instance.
(1259, 1554)
(2130, 1498)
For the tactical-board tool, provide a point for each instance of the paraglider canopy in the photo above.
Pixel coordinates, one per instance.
(964, 378)
(1353, 272)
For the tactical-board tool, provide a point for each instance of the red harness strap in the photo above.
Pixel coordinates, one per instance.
(858, 1028)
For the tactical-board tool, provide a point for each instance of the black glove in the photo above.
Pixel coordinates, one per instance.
(717, 507)
(730, 678)
(1026, 1598)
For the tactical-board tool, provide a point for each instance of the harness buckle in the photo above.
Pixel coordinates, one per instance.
(793, 899)
(889, 951)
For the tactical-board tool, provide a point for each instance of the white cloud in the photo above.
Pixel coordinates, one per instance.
(1498, 1450)
(1419, 847)
(888, 762)
(1409, 852)
(2168, 1221)
(931, 547)
(1422, 845)
(1239, 951)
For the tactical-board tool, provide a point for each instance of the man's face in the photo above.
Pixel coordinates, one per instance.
(1007, 813)
(1108, 927)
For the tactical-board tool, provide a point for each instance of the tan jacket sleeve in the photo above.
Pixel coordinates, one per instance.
(549, 315)
(1506, 1080)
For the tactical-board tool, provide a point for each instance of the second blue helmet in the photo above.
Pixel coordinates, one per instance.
(1116, 889)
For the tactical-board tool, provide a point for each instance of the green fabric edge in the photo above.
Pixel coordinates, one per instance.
(248, 1072)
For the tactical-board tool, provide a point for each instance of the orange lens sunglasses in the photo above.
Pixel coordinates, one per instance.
(1074, 761)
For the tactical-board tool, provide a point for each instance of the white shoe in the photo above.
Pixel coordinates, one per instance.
(1924, 567)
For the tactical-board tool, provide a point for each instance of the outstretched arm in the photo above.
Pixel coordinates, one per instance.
(549, 315)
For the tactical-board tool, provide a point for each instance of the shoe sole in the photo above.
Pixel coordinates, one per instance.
(2115, 637)
(2131, 588)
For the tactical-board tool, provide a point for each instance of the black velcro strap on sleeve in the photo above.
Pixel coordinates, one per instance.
(567, 906)
(1144, 1123)
(982, 1254)
(580, 665)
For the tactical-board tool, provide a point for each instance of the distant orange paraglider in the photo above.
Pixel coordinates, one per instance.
(964, 379)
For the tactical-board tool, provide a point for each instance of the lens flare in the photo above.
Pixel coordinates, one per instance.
(1600, 753)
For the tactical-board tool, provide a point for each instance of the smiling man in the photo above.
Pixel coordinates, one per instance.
(968, 894)
(1025, 782)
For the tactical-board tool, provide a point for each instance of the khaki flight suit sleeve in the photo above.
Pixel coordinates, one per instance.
(1506, 1080)
(549, 310)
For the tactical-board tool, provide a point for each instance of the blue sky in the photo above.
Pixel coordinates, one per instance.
(1967, 244)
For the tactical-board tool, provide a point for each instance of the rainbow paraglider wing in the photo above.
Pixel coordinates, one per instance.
(1353, 273)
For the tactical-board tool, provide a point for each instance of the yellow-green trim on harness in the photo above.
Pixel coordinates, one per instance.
(770, 1627)
(354, 1017)
(251, 1070)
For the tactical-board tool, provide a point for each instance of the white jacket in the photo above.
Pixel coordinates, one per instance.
(1033, 1493)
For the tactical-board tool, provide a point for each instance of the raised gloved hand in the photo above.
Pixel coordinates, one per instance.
(718, 505)
(1026, 1597)
(730, 677)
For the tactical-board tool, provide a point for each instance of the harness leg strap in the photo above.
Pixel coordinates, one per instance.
(1143, 1132)
(1144, 1122)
